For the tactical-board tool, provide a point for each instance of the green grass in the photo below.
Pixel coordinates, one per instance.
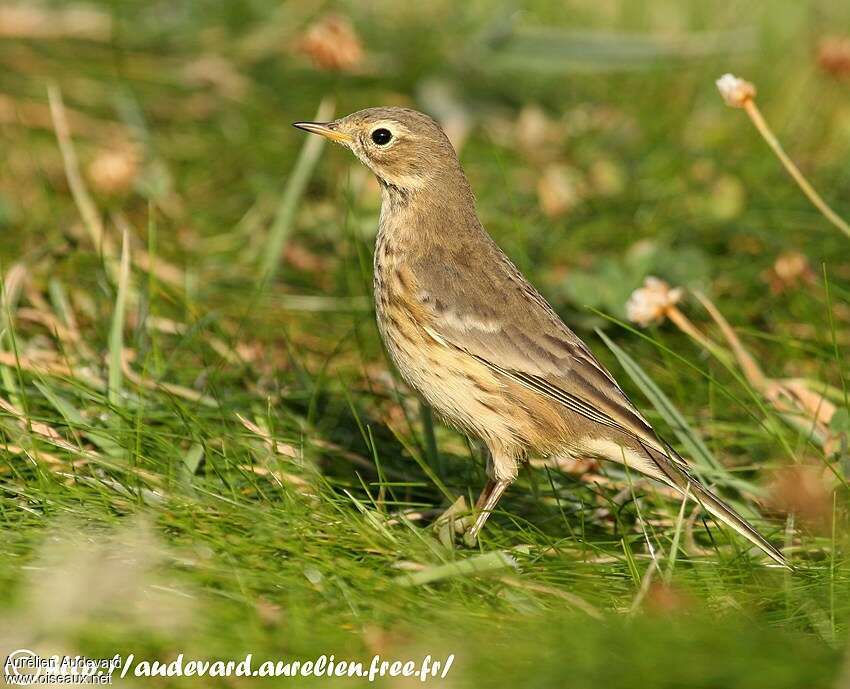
(214, 456)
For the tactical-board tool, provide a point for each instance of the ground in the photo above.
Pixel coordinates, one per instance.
(204, 447)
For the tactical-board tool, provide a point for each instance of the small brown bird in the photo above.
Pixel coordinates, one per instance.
(475, 339)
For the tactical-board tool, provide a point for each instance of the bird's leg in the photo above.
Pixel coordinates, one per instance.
(485, 504)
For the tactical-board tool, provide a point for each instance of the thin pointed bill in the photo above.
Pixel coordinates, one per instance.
(324, 129)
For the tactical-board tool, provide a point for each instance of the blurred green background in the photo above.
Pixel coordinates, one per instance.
(204, 449)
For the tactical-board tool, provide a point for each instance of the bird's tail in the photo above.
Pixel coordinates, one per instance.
(682, 481)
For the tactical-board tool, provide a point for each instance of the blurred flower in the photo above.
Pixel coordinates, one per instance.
(114, 170)
(703, 170)
(607, 177)
(332, 44)
(537, 136)
(804, 492)
(559, 190)
(531, 128)
(834, 55)
(727, 198)
(790, 270)
(652, 302)
(735, 91)
(216, 71)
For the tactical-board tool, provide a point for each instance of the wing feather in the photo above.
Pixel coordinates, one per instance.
(518, 335)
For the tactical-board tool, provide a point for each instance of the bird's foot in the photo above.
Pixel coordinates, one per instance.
(453, 525)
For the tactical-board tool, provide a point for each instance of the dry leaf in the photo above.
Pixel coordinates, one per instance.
(332, 44)
(804, 409)
(536, 135)
(664, 599)
(805, 492)
(790, 270)
(834, 55)
(114, 170)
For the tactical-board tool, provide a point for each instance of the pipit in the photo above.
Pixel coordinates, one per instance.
(476, 340)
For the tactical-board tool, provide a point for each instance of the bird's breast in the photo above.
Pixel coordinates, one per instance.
(400, 315)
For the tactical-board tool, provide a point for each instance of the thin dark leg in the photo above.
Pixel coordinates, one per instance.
(486, 503)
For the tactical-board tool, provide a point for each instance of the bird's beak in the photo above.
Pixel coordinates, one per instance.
(325, 129)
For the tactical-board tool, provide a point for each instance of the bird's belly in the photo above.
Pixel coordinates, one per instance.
(460, 389)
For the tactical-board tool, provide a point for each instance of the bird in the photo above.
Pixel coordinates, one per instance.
(476, 340)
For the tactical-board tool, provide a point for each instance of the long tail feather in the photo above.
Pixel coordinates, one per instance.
(736, 522)
(681, 480)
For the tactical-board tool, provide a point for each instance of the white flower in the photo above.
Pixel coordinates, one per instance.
(735, 91)
(650, 303)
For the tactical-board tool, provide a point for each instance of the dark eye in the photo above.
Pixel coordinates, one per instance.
(382, 136)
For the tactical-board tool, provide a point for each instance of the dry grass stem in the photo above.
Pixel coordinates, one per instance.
(82, 198)
(39, 428)
(36, 456)
(749, 367)
(798, 404)
(684, 324)
(32, 21)
(280, 477)
(741, 94)
(292, 192)
(275, 445)
(568, 597)
(32, 115)
(39, 363)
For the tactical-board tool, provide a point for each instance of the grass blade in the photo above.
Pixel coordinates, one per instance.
(480, 564)
(696, 448)
(292, 192)
(116, 330)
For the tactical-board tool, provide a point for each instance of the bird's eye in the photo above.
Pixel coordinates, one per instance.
(382, 136)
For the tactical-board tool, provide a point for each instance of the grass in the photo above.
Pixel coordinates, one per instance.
(203, 448)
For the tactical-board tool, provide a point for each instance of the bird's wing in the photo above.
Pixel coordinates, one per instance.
(502, 321)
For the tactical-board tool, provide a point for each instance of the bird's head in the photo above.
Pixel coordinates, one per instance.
(404, 148)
